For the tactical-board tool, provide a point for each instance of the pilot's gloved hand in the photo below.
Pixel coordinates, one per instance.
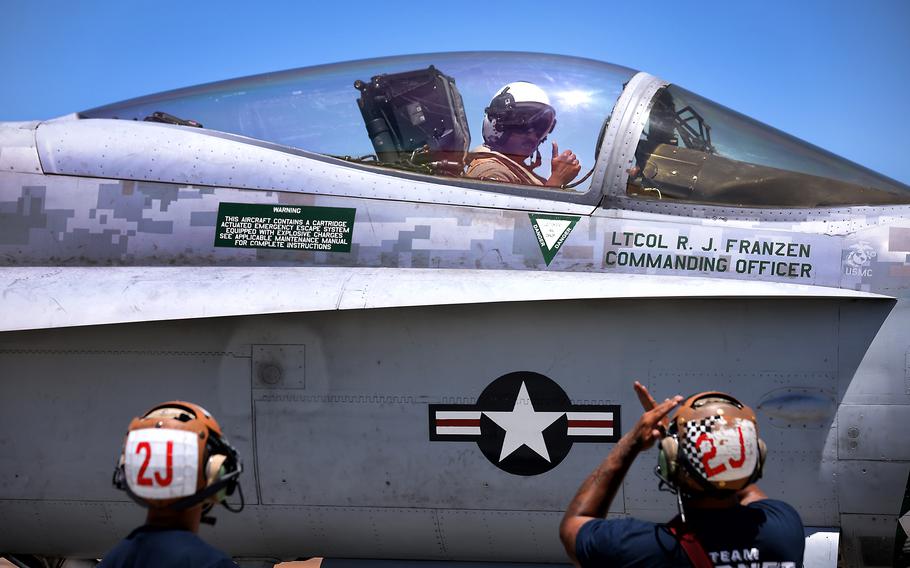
(563, 167)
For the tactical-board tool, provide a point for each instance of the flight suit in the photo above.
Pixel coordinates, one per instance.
(493, 166)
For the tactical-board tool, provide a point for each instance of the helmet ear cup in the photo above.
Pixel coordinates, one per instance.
(666, 459)
(762, 454)
(215, 468)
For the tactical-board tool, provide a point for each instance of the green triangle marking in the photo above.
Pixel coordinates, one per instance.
(551, 231)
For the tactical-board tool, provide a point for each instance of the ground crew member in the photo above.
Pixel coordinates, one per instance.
(176, 463)
(710, 455)
(515, 124)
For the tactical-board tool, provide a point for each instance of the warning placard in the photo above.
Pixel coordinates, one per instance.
(289, 227)
(551, 231)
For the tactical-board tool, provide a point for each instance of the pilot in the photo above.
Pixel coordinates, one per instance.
(710, 456)
(515, 124)
(176, 463)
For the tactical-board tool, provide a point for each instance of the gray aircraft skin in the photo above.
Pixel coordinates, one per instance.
(417, 366)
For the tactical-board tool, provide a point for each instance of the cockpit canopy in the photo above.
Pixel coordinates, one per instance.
(425, 114)
(692, 149)
(316, 108)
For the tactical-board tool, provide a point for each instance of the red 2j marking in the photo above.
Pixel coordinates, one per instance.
(706, 457)
(738, 463)
(163, 481)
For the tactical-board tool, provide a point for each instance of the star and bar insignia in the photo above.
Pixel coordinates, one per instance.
(524, 423)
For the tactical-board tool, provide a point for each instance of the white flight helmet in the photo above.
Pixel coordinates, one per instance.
(518, 119)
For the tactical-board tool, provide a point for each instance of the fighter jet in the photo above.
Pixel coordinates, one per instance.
(421, 361)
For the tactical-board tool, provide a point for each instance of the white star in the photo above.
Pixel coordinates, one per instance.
(523, 426)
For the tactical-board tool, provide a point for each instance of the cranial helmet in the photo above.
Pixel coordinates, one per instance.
(518, 119)
(175, 456)
(712, 446)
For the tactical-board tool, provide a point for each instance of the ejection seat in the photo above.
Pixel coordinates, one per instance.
(416, 121)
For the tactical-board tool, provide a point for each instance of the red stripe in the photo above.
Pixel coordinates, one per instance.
(590, 423)
(457, 422)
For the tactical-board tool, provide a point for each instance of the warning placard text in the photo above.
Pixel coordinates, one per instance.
(289, 227)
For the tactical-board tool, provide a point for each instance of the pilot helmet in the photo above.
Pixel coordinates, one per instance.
(712, 446)
(518, 119)
(175, 456)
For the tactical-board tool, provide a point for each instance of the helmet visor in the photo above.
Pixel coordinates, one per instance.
(537, 118)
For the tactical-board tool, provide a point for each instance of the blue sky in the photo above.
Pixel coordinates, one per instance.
(835, 73)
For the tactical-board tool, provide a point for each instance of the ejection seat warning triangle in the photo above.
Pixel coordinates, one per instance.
(288, 227)
(551, 231)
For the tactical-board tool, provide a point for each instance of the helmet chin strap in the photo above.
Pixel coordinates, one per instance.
(679, 506)
(212, 489)
(667, 485)
(206, 518)
(538, 159)
(210, 520)
(537, 155)
(191, 500)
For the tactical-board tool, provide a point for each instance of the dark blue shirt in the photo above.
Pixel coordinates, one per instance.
(763, 534)
(154, 547)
